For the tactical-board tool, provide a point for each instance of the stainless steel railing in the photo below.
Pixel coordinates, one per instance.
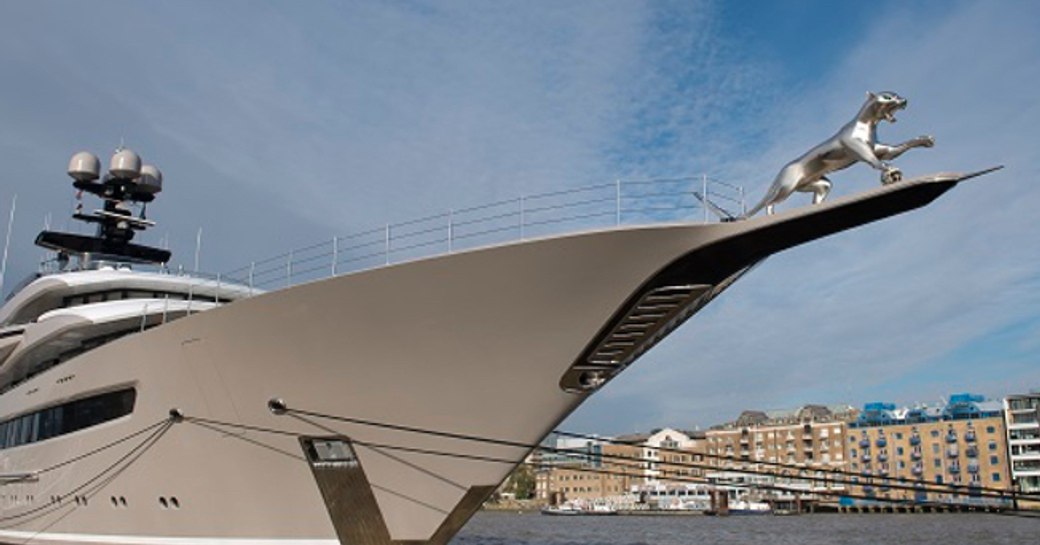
(622, 202)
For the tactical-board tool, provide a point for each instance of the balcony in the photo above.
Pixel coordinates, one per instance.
(952, 451)
(951, 437)
(915, 440)
(864, 443)
(917, 470)
(972, 452)
(973, 467)
(866, 458)
(970, 436)
(915, 455)
(881, 442)
(955, 468)
(882, 457)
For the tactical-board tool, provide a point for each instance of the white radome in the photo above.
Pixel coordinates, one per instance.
(125, 164)
(151, 179)
(84, 166)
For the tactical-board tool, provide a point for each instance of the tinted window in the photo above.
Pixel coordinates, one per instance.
(66, 418)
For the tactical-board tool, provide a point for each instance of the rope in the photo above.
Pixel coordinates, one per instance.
(962, 490)
(159, 429)
(599, 471)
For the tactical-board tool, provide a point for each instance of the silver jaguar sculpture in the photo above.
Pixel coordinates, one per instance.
(856, 141)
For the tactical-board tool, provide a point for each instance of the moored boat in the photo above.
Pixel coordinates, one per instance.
(373, 407)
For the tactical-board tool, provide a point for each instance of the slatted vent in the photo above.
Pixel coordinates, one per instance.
(648, 321)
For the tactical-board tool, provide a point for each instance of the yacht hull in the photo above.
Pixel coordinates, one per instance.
(473, 344)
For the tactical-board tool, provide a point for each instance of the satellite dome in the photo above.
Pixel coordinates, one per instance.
(150, 180)
(84, 167)
(125, 164)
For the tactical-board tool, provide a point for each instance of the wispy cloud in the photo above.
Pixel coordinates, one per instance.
(867, 313)
(281, 125)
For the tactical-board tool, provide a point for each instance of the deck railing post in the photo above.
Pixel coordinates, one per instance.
(335, 254)
(521, 201)
(451, 229)
(617, 203)
(704, 195)
(144, 316)
(288, 269)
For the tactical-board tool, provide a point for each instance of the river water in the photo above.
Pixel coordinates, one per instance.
(498, 528)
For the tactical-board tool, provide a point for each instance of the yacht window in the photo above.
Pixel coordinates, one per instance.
(66, 418)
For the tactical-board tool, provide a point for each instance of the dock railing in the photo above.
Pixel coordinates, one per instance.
(621, 202)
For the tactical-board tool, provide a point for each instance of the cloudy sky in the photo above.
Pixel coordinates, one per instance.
(281, 124)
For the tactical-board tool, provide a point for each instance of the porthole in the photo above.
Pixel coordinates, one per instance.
(115, 502)
(173, 502)
(122, 501)
(163, 503)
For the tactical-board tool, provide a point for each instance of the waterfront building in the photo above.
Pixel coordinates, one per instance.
(1023, 437)
(809, 442)
(959, 443)
(587, 470)
(630, 465)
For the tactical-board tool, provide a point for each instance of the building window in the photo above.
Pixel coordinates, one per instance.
(996, 477)
(899, 451)
(935, 448)
(935, 433)
(991, 429)
(993, 445)
(937, 462)
(993, 460)
(899, 435)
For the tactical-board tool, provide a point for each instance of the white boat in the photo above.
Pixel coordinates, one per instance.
(749, 507)
(154, 408)
(582, 509)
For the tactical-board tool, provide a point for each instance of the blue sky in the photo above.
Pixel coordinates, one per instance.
(281, 124)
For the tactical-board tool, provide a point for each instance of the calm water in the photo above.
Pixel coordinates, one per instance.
(494, 528)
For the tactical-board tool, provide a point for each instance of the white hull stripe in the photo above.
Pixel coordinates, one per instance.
(150, 540)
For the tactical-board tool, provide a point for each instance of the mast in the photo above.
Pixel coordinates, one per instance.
(7, 243)
(127, 183)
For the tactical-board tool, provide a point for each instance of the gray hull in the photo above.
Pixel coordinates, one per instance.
(476, 343)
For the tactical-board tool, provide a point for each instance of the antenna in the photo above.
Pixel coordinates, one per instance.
(7, 243)
(198, 248)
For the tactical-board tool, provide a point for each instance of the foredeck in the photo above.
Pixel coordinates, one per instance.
(621, 202)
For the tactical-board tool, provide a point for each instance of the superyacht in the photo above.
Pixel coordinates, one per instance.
(144, 406)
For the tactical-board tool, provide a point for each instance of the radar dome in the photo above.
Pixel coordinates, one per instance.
(85, 167)
(125, 164)
(150, 180)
